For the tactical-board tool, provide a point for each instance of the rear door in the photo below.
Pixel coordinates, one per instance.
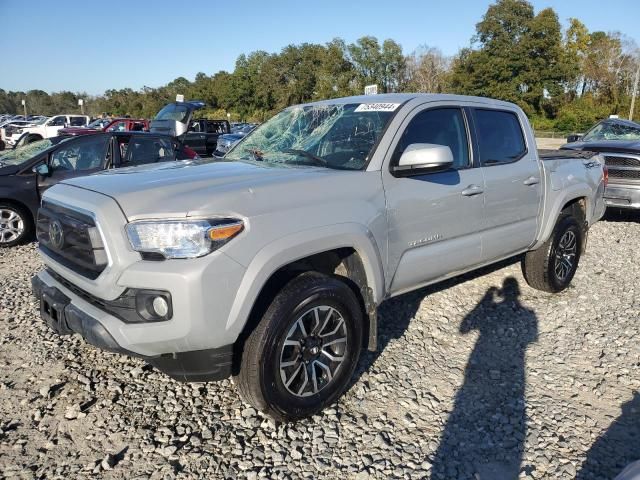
(143, 149)
(435, 219)
(513, 183)
(196, 137)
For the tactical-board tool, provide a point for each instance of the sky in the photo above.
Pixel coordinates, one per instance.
(91, 46)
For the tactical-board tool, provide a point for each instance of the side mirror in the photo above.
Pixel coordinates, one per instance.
(574, 138)
(429, 156)
(42, 170)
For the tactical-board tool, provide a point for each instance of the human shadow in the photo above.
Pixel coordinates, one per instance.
(617, 447)
(395, 314)
(485, 432)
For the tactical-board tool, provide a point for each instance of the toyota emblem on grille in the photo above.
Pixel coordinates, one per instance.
(56, 234)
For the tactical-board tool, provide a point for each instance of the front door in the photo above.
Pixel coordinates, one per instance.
(53, 125)
(75, 158)
(434, 219)
(513, 183)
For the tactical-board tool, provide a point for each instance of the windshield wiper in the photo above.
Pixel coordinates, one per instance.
(318, 160)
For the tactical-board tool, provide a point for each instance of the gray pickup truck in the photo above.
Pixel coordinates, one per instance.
(269, 266)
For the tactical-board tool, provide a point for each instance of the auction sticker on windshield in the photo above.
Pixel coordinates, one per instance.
(377, 107)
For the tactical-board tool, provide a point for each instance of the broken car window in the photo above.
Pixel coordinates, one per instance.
(340, 136)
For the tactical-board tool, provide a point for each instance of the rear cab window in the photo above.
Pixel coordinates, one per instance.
(500, 136)
(217, 127)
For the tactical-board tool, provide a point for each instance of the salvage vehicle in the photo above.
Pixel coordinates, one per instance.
(116, 125)
(618, 141)
(27, 172)
(177, 119)
(269, 266)
(8, 129)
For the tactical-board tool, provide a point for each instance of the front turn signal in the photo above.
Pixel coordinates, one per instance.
(224, 232)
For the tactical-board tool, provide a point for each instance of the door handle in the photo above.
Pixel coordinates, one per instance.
(472, 190)
(532, 181)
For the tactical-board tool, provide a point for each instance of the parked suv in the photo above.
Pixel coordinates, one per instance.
(269, 265)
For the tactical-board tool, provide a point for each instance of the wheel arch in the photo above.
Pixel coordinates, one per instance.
(21, 205)
(348, 251)
(576, 201)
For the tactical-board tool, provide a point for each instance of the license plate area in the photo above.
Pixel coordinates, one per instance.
(52, 310)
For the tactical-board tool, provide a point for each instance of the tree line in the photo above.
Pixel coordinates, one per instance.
(564, 79)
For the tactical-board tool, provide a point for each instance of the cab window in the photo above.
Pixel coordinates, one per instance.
(77, 121)
(57, 121)
(500, 137)
(439, 126)
(143, 150)
(88, 154)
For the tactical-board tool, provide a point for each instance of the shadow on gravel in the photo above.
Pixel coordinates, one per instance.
(617, 447)
(485, 433)
(621, 215)
(395, 314)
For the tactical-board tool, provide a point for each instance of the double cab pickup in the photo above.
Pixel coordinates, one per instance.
(269, 266)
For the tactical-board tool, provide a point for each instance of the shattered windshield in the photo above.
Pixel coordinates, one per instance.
(30, 150)
(613, 131)
(340, 136)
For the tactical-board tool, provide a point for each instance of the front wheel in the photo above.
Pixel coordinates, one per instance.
(552, 266)
(15, 225)
(301, 356)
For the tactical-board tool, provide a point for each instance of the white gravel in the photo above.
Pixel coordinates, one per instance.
(473, 381)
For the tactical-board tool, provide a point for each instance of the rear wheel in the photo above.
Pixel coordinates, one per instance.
(551, 267)
(15, 225)
(301, 356)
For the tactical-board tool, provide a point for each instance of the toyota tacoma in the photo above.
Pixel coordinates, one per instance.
(269, 266)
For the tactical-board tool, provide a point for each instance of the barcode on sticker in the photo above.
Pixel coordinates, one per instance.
(377, 107)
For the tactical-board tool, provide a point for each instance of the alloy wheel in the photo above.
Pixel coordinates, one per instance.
(313, 351)
(565, 256)
(11, 225)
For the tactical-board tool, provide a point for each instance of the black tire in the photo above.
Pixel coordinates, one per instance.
(9, 235)
(547, 268)
(260, 379)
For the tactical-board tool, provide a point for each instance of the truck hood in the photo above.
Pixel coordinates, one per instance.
(624, 146)
(179, 189)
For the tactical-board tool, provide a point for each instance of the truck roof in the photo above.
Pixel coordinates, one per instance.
(403, 97)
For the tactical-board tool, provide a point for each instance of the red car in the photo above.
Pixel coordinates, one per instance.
(116, 125)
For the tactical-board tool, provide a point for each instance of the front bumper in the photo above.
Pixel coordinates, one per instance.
(622, 196)
(67, 313)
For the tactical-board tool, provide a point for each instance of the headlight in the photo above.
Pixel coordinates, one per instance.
(182, 238)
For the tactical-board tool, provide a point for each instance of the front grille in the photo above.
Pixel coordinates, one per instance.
(621, 161)
(72, 239)
(626, 174)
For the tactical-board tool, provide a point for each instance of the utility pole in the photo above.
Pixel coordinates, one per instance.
(635, 91)
(24, 104)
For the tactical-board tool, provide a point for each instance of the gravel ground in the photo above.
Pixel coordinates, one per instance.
(481, 377)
